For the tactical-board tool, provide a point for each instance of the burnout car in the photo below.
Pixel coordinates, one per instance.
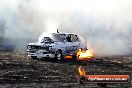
(55, 45)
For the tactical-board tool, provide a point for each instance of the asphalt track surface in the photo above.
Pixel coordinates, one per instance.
(19, 71)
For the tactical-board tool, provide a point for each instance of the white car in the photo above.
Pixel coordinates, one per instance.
(55, 45)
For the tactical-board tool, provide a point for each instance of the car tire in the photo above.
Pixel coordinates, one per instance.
(74, 57)
(34, 57)
(59, 55)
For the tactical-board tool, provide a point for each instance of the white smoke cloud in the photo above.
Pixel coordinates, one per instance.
(106, 24)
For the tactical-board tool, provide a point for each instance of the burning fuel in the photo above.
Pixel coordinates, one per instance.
(85, 54)
(68, 57)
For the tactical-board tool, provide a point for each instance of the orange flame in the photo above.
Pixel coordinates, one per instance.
(85, 54)
(68, 57)
(81, 71)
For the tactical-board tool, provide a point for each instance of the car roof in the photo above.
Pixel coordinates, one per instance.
(62, 33)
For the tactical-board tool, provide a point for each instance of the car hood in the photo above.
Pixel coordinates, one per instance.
(42, 44)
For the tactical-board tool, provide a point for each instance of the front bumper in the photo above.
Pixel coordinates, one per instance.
(40, 55)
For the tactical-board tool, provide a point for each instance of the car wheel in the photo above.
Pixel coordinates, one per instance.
(59, 55)
(34, 57)
(74, 57)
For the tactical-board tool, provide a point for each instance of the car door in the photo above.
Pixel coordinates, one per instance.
(72, 44)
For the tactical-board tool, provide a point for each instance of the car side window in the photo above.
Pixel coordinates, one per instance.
(68, 38)
(74, 38)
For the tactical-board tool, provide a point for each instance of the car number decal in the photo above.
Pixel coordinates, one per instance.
(71, 48)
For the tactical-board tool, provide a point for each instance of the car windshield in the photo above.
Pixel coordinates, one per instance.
(59, 37)
(65, 37)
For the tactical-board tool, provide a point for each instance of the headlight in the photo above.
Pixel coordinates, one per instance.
(28, 47)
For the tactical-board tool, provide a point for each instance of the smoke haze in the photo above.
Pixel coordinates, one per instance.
(106, 25)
